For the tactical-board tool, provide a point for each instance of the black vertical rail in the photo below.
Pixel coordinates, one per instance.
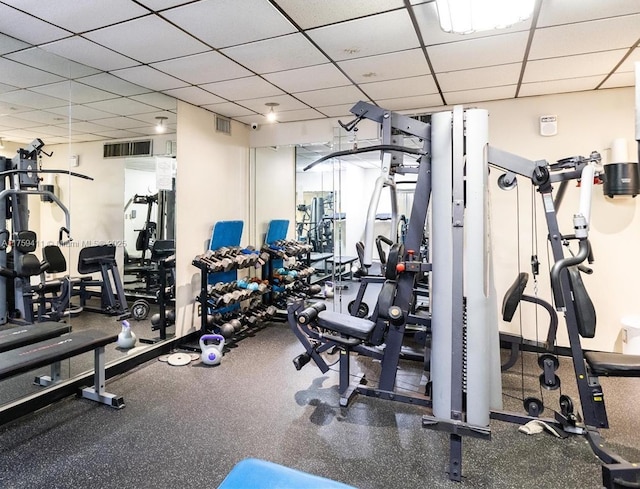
(406, 281)
(590, 411)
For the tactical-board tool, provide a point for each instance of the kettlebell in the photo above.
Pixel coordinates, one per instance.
(211, 354)
(126, 338)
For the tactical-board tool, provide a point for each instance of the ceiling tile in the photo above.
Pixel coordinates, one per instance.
(113, 84)
(148, 77)
(27, 98)
(162, 4)
(50, 130)
(194, 95)
(356, 38)
(299, 115)
(21, 135)
(411, 103)
(386, 66)
(83, 126)
(403, 87)
(81, 16)
(286, 102)
(147, 39)
(82, 138)
(480, 95)
(9, 44)
(119, 134)
(44, 117)
(228, 109)
(7, 88)
(121, 106)
(559, 86)
(222, 23)
(52, 63)
(336, 110)
(27, 28)
(243, 88)
(329, 96)
(314, 13)
(580, 65)
(479, 52)
(157, 100)
(629, 63)
(277, 54)
(22, 76)
(16, 122)
(202, 68)
(555, 13)
(80, 112)
(151, 117)
(73, 91)
(427, 18)
(309, 78)
(618, 80)
(493, 76)
(585, 37)
(88, 53)
(120, 122)
(254, 118)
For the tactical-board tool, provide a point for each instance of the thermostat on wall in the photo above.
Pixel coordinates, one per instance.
(548, 125)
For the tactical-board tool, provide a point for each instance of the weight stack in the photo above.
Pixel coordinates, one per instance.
(621, 179)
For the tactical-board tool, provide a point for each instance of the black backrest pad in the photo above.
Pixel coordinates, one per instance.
(29, 265)
(52, 254)
(396, 255)
(25, 241)
(386, 298)
(90, 258)
(585, 312)
(513, 296)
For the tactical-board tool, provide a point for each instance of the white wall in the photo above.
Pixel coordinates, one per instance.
(273, 190)
(212, 185)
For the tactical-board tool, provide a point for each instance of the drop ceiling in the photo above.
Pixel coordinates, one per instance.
(106, 69)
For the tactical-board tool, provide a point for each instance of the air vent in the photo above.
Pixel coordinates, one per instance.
(127, 148)
(223, 125)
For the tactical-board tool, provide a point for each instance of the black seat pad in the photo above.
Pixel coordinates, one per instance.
(613, 364)
(44, 353)
(18, 336)
(346, 324)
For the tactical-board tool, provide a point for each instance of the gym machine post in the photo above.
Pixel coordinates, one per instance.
(20, 177)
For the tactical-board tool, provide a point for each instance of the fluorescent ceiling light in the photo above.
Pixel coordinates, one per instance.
(467, 16)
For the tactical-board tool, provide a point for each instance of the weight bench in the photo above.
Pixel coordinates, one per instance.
(53, 351)
(339, 330)
(260, 474)
(18, 336)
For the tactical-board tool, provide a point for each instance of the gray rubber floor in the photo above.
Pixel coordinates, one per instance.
(187, 427)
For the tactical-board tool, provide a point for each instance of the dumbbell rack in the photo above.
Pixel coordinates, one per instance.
(222, 296)
(287, 281)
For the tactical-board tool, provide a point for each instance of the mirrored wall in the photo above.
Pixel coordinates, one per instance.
(66, 120)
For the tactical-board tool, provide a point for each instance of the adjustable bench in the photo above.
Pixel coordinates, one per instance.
(340, 330)
(260, 474)
(53, 351)
(18, 336)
